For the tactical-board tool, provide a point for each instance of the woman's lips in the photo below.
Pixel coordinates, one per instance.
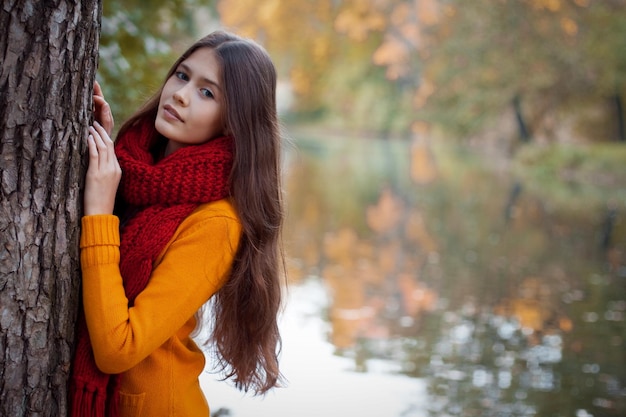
(171, 113)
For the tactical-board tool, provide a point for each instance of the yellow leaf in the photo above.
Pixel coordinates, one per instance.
(388, 258)
(338, 246)
(399, 14)
(552, 5)
(425, 90)
(416, 231)
(566, 324)
(569, 26)
(394, 55)
(300, 81)
(386, 214)
(428, 12)
(423, 168)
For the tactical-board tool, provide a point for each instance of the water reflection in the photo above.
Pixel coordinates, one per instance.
(507, 304)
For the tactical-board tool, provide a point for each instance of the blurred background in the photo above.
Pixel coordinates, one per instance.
(455, 182)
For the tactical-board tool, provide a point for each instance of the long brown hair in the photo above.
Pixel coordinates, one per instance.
(245, 330)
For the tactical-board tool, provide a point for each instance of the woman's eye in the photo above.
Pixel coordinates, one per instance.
(181, 75)
(206, 92)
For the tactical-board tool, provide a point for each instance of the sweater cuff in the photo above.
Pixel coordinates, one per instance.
(99, 240)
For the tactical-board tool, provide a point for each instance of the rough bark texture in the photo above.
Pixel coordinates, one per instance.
(48, 53)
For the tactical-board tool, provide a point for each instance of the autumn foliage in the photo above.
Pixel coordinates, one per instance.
(449, 63)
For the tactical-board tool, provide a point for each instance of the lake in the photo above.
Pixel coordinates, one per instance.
(431, 281)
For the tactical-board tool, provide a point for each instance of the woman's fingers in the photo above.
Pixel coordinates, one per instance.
(103, 173)
(102, 132)
(102, 110)
(97, 90)
(93, 151)
(102, 113)
(101, 146)
(106, 143)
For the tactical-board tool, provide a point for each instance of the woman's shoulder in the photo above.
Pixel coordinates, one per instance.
(209, 224)
(216, 215)
(221, 208)
(209, 227)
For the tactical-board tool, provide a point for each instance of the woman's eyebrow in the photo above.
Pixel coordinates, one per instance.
(188, 70)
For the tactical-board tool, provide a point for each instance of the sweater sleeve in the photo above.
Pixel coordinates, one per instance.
(194, 266)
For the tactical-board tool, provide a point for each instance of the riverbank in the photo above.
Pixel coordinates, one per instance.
(592, 174)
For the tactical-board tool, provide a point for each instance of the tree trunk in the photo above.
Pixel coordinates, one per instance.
(49, 57)
(524, 133)
(619, 113)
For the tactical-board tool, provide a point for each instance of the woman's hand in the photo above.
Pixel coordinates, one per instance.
(101, 110)
(103, 174)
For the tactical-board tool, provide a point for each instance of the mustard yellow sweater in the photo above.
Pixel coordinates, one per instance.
(149, 343)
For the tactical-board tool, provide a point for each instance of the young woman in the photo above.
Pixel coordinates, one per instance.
(198, 216)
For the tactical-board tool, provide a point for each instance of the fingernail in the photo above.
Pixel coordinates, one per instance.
(96, 123)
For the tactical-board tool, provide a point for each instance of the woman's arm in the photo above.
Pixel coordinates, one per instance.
(194, 266)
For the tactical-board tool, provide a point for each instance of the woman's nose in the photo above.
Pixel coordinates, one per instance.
(181, 95)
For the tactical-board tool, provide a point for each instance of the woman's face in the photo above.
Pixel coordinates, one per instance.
(190, 110)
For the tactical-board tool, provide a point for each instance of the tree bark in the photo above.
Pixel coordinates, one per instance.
(49, 58)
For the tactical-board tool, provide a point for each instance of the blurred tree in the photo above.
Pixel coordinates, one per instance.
(453, 64)
(542, 58)
(545, 53)
(139, 42)
(299, 34)
(604, 42)
(325, 50)
(49, 58)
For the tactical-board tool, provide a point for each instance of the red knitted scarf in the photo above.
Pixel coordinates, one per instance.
(160, 194)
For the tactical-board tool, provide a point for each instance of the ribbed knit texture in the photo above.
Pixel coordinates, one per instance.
(161, 194)
(105, 237)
